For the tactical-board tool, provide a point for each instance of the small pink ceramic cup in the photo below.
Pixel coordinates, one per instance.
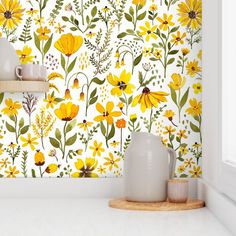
(177, 190)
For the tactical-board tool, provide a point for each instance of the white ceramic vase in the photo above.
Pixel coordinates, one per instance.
(8, 60)
(147, 168)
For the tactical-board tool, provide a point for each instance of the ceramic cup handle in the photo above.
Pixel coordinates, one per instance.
(172, 162)
(19, 72)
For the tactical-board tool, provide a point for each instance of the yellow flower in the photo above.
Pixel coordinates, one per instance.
(182, 134)
(90, 34)
(29, 141)
(67, 111)
(177, 38)
(169, 130)
(75, 84)
(43, 33)
(106, 113)
(52, 168)
(199, 55)
(147, 52)
(197, 88)
(101, 170)
(148, 31)
(32, 11)
(4, 162)
(39, 158)
(105, 9)
(11, 13)
(68, 44)
(193, 68)
(50, 101)
(185, 51)
(60, 28)
(12, 172)
(11, 108)
(183, 150)
(85, 169)
(81, 96)
(157, 53)
(190, 13)
(97, 148)
(39, 20)
(169, 114)
(177, 81)
(121, 84)
(117, 64)
(148, 99)
(195, 108)
(165, 22)
(139, 2)
(133, 117)
(181, 169)
(114, 144)
(85, 124)
(25, 55)
(153, 7)
(196, 172)
(196, 145)
(189, 162)
(111, 161)
(121, 105)
(67, 94)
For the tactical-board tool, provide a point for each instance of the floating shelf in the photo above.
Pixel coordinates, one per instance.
(156, 206)
(24, 86)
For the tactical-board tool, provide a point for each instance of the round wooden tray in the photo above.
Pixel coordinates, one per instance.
(156, 206)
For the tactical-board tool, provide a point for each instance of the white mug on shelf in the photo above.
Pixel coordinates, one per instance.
(28, 72)
(43, 73)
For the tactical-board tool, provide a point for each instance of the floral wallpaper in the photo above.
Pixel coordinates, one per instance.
(114, 67)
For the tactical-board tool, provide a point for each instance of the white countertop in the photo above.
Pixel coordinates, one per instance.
(93, 217)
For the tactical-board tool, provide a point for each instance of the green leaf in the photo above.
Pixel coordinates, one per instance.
(183, 176)
(65, 18)
(130, 100)
(58, 134)
(173, 95)
(37, 41)
(33, 173)
(103, 129)
(141, 16)
(71, 66)
(94, 11)
(13, 118)
(112, 132)
(184, 99)
(173, 52)
(71, 125)
(63, 62)
(138, 59)
(54, 142)
(93, 100)
(170, 61)
(128, 17)
(10, 128)
(48, 45)
(121, 35)
(93, 93)
(24, 129)
(21, 122)
(131, 11)
(98, 81)
(174, 29)
(70, 141)
(1, 97)
(194, 128)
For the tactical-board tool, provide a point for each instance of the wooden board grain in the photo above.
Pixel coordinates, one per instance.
(16, 86)
(155, 206)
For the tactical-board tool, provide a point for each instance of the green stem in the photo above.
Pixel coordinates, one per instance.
(64, 144)
(179, 109)
(107, 135)
(66, 72)
(150, 121)
(40, 170)
(136, 16)
(16, 132)
(121, 140)
(82, 11)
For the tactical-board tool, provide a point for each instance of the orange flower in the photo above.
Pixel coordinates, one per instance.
(121, 123)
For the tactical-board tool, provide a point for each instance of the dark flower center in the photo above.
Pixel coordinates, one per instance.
(192, 15)
(178, 39)
(165, 22)
(122, 85)
(193, 68)
(84, 121)
(146, 90)
(7, 14)
(149, 32)
(105, 113)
